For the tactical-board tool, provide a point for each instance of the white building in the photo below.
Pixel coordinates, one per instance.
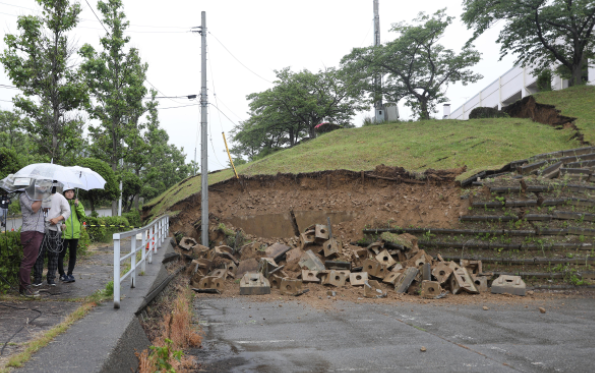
(515, 84)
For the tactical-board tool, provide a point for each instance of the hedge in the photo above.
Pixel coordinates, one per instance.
(100, 230)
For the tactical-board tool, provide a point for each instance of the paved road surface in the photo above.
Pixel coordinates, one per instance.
(17, 222)
(243, 335)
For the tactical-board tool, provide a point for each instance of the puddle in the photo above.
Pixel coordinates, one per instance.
(279, 225)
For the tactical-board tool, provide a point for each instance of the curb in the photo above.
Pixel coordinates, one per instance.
(107, 339)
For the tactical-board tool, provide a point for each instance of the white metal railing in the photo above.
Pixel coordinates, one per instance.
(154, 234)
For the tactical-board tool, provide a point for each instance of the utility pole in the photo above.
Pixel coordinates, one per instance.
(203, 133)
(378, 106)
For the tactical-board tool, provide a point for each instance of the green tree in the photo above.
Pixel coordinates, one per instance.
(9, 162)
(38, 61)
(115, 76)
(539, 32)
(12, 131)
(414, 65)
(110, 192)
(283, 115)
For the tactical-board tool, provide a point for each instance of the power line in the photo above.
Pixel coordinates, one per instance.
(240, 62)
(95, 14)
(175, 107)
(223, 113)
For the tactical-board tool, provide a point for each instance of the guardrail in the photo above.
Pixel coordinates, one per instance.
(152, 235)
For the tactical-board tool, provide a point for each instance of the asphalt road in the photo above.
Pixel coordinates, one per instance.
(244, 335)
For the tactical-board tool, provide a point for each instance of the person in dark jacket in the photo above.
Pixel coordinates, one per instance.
(71, 234)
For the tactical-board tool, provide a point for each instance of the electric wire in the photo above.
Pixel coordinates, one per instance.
(365, 37)
(240, 62)
(95, 14)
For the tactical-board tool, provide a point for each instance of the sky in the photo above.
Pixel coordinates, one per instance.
(247, 41)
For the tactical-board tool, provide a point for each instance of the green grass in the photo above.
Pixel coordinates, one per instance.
(440, 144)
(578, 102)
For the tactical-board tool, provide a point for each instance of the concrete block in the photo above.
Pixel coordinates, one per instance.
(275, 281)
(442, 272)
(331, 248)
(290, 286)
(375, 248)
(337, 264)
(473, 266)
(391, 278)
(254, 284)
(293, 256)
(310, 276)
(430, 289)
(509, 284)
(397, 268)
(320, 233)
(232, 268)
(223, 249)
(276, 251)
(310, 261)
(217, 283)
(266, 266)
(205, 282)
(481, 283)
(186, 243)
(385, 258)
(462, 281)
(218, 273)
(334, 278)
(404, 281)
(358, 279)
(374, 268)
(248, 265)
(426, 272)
(306, 238)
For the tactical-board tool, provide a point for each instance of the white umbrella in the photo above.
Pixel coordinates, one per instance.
(88, 178)
(49, 171)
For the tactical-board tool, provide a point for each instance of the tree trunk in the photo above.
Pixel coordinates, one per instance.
(577, 74)
(423, 108)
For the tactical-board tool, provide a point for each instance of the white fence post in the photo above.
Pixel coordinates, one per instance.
(133, 262)
(144, 251)
(116, 270)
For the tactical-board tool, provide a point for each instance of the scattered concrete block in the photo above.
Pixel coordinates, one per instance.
(248, 265)
(275, 281)
(473, 267)
(374, 248)
(419, 259)
(481, 283)
(374, 268)
(254, 284)
(310, 261)
(276, 251)
(405, 280)
(310, 276)
(266, 266)
(461, 280)
(430, 289)
(293, 256)
(334, 278)
(186, 243)
(391, 278)
(358, 279)
(385, 258)
(337, 264)
(397, 268)
(218, 273)
(320, 233)
(205, 282)
(331, 248)
(426, 272)
(509, 285)
(290, 286)
(306, 238)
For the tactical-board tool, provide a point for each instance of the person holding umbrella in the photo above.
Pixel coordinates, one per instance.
(58, 211)
(71, 233)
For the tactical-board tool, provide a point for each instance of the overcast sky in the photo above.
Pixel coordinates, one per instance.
(263, 35)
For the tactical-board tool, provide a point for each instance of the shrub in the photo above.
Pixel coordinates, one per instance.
(133, 217)
(11, 253)
(487, 112)
(101, 229)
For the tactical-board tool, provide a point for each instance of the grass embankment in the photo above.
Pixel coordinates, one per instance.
(577, 102)
(440, 144)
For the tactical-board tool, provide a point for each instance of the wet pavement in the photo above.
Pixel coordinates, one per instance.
(243, 335)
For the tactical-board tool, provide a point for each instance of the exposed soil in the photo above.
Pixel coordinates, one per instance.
(262, 205)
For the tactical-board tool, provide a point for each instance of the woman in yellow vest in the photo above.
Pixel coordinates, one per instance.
(71, 235)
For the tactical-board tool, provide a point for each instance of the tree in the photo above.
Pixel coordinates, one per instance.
(39, 62)
(115, 76)
(283, 115)
(12, 134)
(111, 190)
(539, 32)
(9, 162)
(414, 65)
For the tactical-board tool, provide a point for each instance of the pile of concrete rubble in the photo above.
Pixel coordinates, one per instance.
(315, 257)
